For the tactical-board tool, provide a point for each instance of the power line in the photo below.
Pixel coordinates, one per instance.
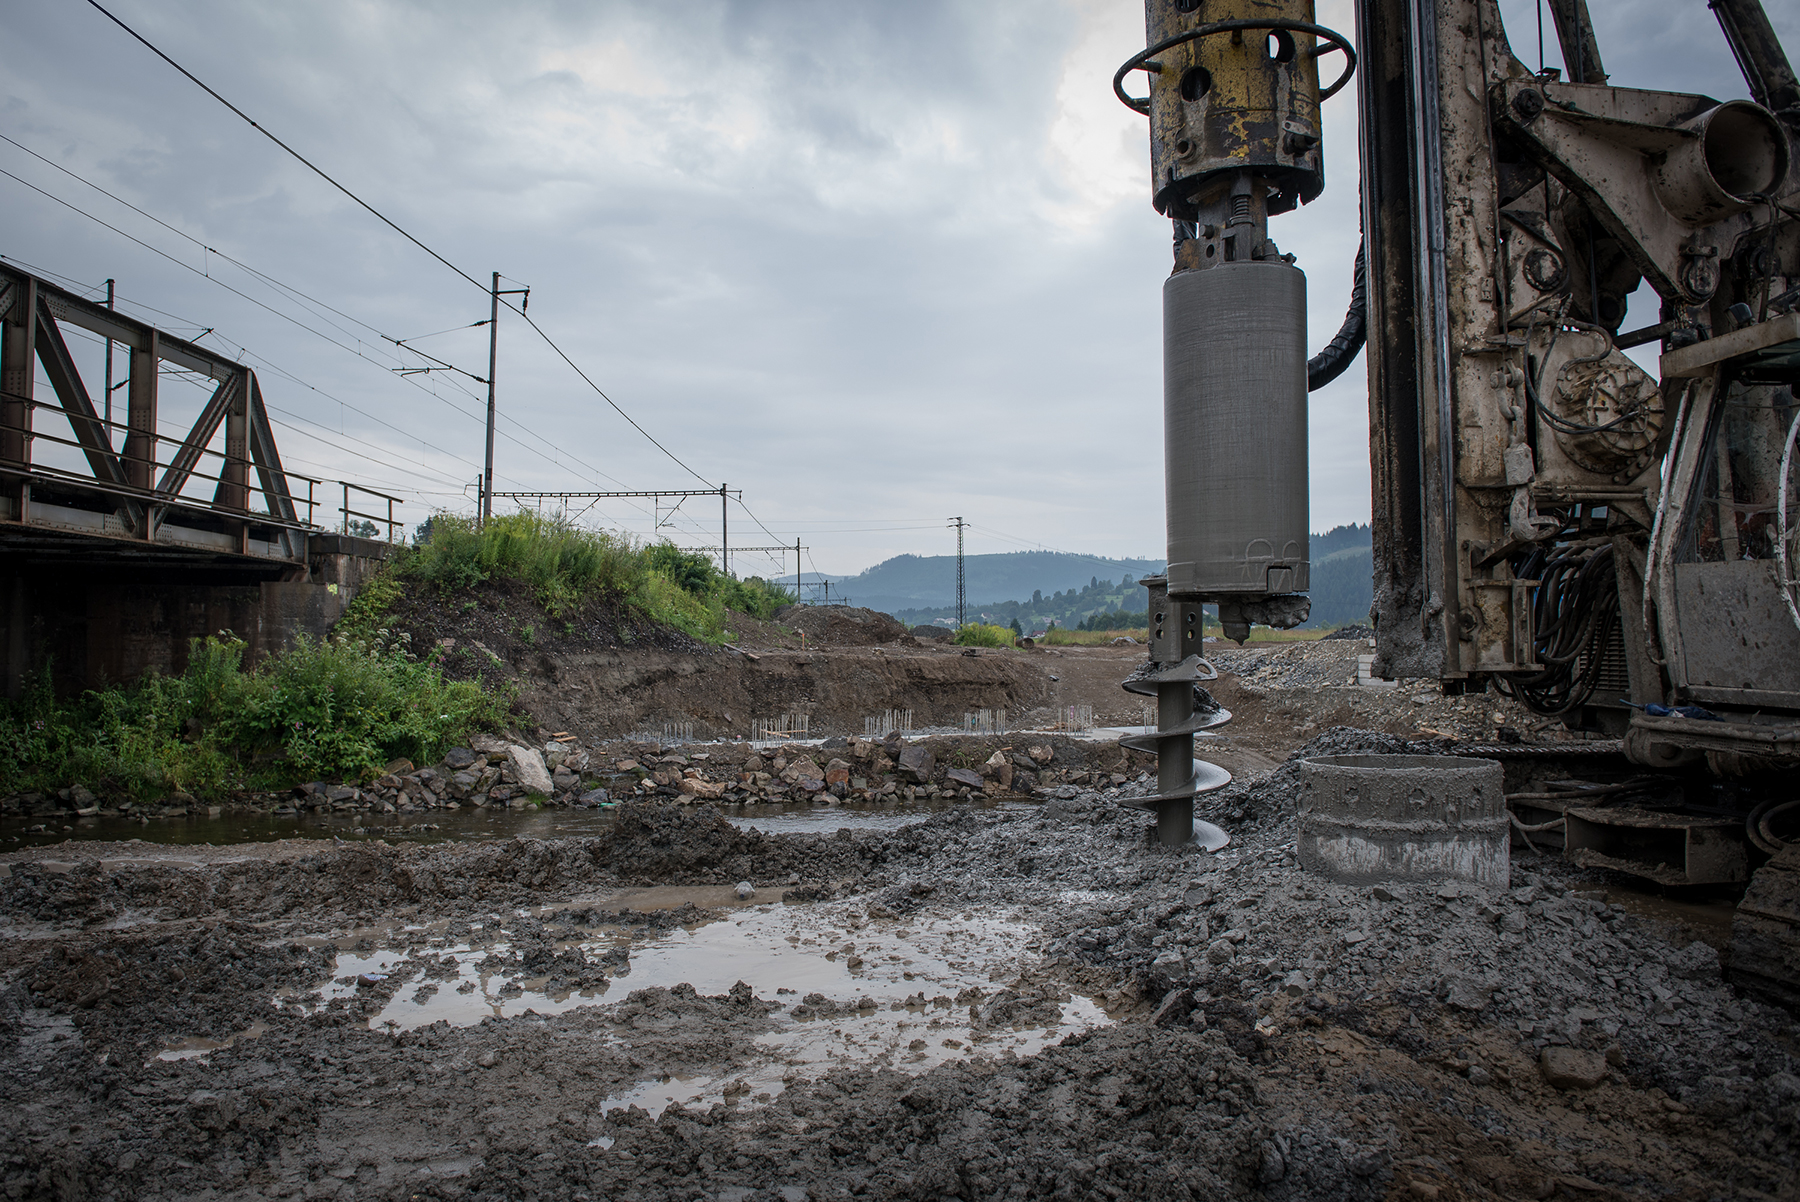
(245, 353)
(213, 250)
(757, 520)
(297, 155)
(1001, 534)
(334, 342)
(271, 281)
(565, 358)
(288, 317)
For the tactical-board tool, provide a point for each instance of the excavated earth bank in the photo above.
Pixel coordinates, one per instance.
(228, 1023)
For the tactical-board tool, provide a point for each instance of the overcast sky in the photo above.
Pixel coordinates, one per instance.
(874, 264)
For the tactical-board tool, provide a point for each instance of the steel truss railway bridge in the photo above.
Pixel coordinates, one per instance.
(108, 572)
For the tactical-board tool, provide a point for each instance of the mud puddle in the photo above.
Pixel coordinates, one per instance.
(198, 1048)
(439, 826)
(908, 994)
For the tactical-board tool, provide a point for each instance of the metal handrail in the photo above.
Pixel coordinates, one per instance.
(153, 496)
(373, 517)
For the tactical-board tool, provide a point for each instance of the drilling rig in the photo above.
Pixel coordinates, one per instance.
(1617, 549)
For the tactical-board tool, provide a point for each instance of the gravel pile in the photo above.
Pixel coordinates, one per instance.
(1305, 665)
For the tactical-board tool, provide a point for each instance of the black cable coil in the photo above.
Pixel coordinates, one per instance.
(1574, 614)
(1341, 351)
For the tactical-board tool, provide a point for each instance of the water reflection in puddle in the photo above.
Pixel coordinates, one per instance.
(466, 824)
(197, 1047)
(893, 993)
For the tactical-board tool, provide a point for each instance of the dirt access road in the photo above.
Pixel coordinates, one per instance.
(1029, 1000)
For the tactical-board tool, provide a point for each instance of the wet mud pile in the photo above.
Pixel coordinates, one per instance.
(647, 845)
(1028, 1003)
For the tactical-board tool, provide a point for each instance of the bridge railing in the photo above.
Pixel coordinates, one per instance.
(152, 461)
(139, 475)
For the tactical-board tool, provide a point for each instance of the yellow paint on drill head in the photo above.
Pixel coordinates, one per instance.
(1234, 101)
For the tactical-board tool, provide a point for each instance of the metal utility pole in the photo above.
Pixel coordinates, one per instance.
(487, 474)
(961, 605)
(109, 386)
(724, 533)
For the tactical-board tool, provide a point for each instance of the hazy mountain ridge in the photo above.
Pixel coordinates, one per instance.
(1035, 587)
(911, 582)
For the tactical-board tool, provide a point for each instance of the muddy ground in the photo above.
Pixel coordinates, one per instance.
(602, 673)
(1021, 1001)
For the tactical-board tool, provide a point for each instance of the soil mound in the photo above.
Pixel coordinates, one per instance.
(842, 625)
(498, 627)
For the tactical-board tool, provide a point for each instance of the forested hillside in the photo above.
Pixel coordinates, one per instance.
(915, 582)
(1341, 590)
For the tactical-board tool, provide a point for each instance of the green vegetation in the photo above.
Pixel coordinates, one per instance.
(341, 708)
(1076, 605)
(566, 566)
(561, 563)
(926, 584)
(348, 706)
(1117, 619)
(976, 634)
(1341, 592)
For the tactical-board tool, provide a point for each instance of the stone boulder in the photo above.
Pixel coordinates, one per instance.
(963, 777)
(704, 790)
(804, 768)
(917, 765)
(529, 770)
(1572, 1068)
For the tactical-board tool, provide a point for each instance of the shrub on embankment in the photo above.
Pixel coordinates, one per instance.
(979, 634)
(340, 708)
(346, 707)
(567, 567)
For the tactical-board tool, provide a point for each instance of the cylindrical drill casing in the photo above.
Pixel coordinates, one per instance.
(1234, 430)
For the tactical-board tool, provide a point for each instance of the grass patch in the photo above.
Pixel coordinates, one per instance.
(566, 566)
(978, 634)
(337, 709)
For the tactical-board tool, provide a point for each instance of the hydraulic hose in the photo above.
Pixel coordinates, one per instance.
(1342, 350)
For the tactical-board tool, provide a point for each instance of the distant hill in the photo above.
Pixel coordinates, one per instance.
(1035, 588)
(1343, 572)
(916, 582)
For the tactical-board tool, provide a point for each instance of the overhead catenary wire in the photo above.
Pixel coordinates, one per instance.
(287, 317)
(188, 377)
(561, 354)
(295, 292)
(215, 251)
(272, 282)
(243, 352)
(296, 154)
(253, 300)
